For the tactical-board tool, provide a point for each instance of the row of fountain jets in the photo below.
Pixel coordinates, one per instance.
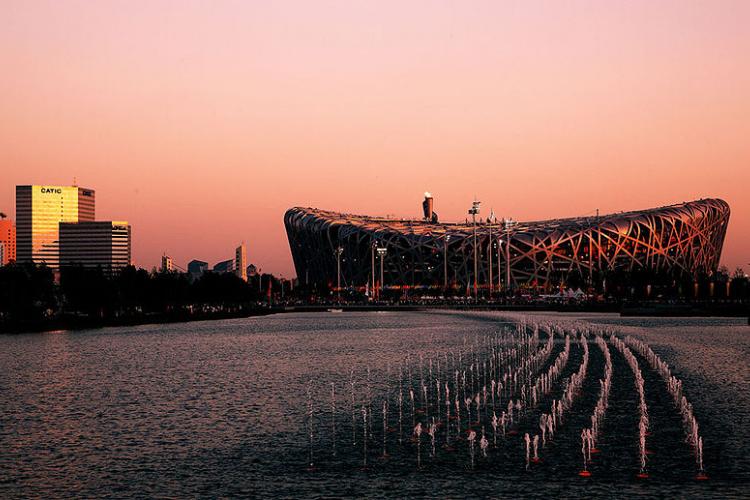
(502, 372)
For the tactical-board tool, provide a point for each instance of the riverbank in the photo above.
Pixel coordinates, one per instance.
(78, 322)
(74, 322)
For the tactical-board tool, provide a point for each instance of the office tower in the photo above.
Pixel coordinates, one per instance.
(7, 241)
(167, 265)
(240, 262)
(39, 212)
(101, 244)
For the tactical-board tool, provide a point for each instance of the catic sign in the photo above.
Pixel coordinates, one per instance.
(51, 190)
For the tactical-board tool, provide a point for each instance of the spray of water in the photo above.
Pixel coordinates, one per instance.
(483, 444)
(527, 440)
(472, 437)
(364, 437)
(418, 435)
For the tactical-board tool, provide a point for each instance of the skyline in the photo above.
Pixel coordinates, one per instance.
(202, 125)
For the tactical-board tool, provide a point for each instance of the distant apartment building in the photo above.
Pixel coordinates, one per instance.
(167, 264)
(240, 262)
(39, 212)
(225, 266)
(7, 241)
(100, 244)
(196, 268)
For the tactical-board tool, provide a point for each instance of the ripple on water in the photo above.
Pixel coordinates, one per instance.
(217, 408)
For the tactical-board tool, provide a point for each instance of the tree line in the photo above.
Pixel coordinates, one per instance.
(29, 292)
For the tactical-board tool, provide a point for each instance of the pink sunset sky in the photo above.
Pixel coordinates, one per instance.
(202, 122)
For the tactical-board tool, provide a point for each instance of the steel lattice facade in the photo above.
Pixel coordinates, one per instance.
(684, 239)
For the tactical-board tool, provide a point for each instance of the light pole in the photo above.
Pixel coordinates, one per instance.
(381, 253)
(591, 258)
(499, 272)
(508, 224)
(490, 220)
(445, 261)
(338, 252)
(373, 246)
(474, 211)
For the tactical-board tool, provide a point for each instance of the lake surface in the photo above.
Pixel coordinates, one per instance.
(220, 409)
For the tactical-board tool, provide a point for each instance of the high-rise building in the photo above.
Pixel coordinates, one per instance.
(225, 266)
(39, 212)
(196, 268)
(240, 262)
(7, 241)
(102, 244)
(167, 265)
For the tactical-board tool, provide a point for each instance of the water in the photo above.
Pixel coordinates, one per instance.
(221, 409)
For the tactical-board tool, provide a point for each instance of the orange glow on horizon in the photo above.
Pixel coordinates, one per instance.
(201, 123)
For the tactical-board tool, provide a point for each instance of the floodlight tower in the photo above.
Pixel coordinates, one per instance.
(373, 246)
(474, 211)
(508, 225)
(339, 250)
(381, 253)
(490, 221)
(445, 260)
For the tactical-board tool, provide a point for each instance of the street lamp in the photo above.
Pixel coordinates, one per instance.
(373, 246)
(474, 211)
(339, 250)
(491, 220)
(508, 224)
(499, 272)
(445, 260)
(381, 253)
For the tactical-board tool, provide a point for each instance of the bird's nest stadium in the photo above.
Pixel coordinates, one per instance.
(330, 248)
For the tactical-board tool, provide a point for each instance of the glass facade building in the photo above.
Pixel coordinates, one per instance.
(225, 266)
(7, 241)
(240, 262)
(197, 267)
(101, 244)
(39, 212)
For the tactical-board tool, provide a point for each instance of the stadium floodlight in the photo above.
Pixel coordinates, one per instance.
(474, 211)
(381, 253)
(508, 225)
(339, 250)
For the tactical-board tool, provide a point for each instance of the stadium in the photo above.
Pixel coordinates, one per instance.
(357, 251)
